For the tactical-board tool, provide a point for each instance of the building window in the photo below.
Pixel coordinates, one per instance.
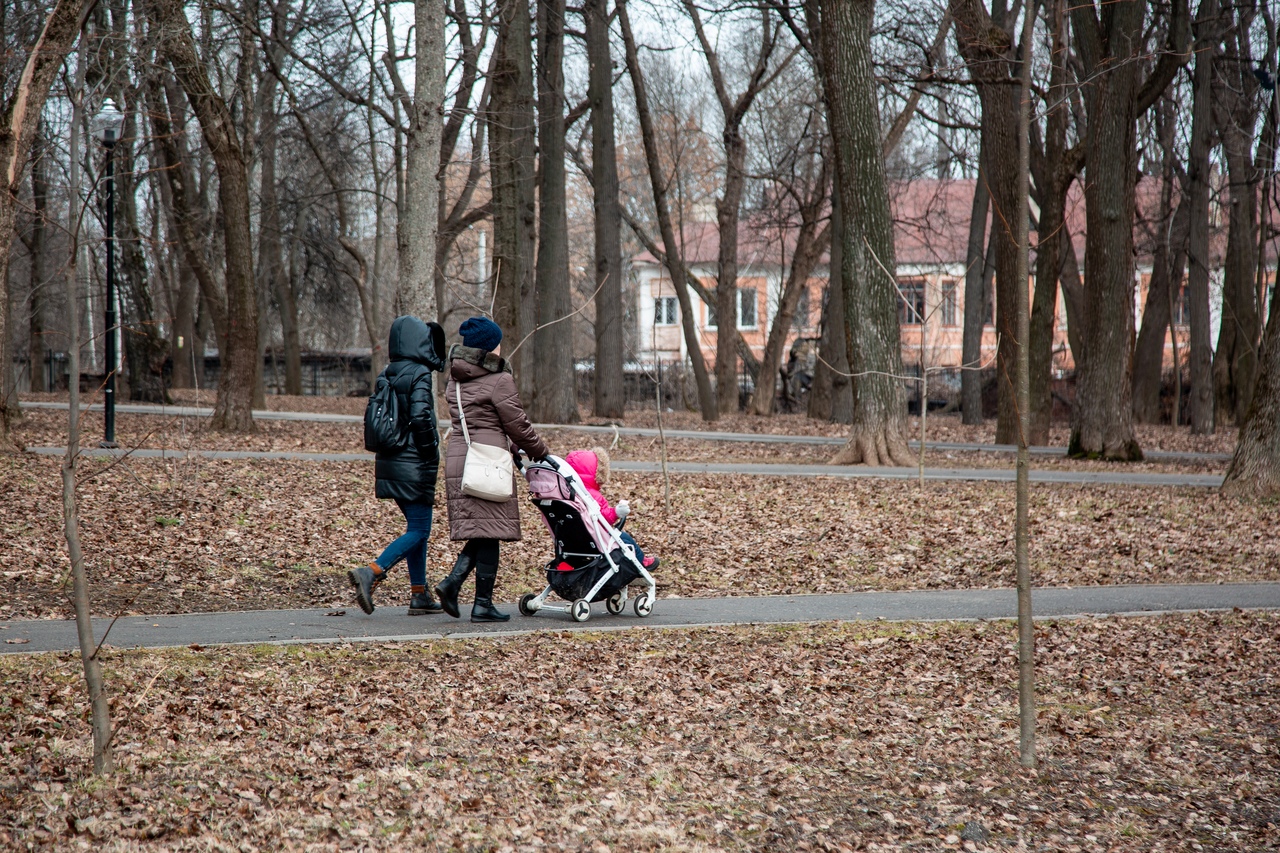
(665, 311)
(746, 307)
(949, 305)
(1181, 312)
(910, 301)
(746, 310)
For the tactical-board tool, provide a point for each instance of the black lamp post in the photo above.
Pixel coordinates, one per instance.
(107, 126)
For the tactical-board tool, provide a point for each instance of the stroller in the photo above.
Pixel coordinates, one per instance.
(591, 562)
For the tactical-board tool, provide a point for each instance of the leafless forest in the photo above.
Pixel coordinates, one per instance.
(288, 177)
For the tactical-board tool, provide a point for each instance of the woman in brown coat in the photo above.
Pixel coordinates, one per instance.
(494, 417)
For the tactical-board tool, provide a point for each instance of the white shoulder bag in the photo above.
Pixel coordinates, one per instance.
(487, 472)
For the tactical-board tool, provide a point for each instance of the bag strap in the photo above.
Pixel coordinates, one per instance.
(457, 388)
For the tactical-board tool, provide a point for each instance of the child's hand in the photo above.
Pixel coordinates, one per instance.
(623, 509)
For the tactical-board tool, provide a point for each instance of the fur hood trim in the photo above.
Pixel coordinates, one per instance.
(602, 465)
(483, 359)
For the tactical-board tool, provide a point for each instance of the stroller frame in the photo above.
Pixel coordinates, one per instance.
(601, 531)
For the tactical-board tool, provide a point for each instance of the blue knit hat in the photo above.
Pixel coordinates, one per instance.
(480, 333)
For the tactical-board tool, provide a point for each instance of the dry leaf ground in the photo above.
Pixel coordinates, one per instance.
(183, 535)
(1155, 734)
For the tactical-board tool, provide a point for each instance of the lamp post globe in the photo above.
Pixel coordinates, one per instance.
(107, 128)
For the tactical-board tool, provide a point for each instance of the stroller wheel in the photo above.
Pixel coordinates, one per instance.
(614, 604)
(643, 605)
(525, 609)
(581, 610)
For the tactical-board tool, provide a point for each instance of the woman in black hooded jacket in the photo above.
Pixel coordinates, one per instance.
(408, 476)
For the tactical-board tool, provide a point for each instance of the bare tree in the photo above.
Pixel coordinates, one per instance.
(975, 318)
(554, 396)
(417, 293)
(1054, 168)
(35, 244)
(985, 42)
(1255, 466)
(671, 255)
(233, 411)
(99, 705)
(870, 287)
(610, 389)
(19, 119)
(511, 162)
(1168, 233)
(728, 206)
(1237, 103)
(1109, 42)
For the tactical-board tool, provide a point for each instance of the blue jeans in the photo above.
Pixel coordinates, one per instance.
(411, 546)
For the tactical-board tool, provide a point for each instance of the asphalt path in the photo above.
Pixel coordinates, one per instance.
(650, 432)
(758, 469)
(391, 623)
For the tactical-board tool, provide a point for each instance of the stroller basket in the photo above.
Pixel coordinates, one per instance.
(572, 584)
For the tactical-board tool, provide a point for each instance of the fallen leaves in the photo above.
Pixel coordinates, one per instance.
(819, 737)
(264, 534)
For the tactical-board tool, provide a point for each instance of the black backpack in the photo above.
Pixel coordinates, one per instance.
(385, 431)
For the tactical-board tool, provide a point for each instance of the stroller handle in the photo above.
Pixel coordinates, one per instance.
(518, 456)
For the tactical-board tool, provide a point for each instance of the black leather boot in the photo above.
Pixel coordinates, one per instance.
(366, 579)
(482, 610)
(448, 588)
(421, 602)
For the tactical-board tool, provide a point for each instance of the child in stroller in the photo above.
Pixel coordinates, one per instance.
(594, 559)
(593, 467)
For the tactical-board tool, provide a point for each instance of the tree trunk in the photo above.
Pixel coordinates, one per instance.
(233, 411)
(144, 349)
(36, 344)
(831, 396)
(986, 48)
(1167, 271)
(18, 123)
(729, 204)
(179, 191)
(810, 244)
(271, 267)
(1255, 466)
(671, 246)
(1235, 359)
(878, 436)
(1166, 277)
(271, 230)
(1056, 172)
(511, 158)
(416, 294)
(1103, 420)
(1200, 349)
(1237, 103)
(555, 397)
(975, 302)
(728, 207)
(610, 388)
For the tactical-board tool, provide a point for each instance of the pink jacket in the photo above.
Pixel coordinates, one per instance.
(586, 464)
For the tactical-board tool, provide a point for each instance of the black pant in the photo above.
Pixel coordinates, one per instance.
(485, 554)
(483, 551)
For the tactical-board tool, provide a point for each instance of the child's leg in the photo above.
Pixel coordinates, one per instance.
(631, 540)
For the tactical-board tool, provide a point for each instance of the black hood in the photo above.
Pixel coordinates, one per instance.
(413, 340)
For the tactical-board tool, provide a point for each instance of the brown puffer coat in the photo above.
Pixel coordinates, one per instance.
(495, 417)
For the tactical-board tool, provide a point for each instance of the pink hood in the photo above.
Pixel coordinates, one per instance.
(587, 466)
